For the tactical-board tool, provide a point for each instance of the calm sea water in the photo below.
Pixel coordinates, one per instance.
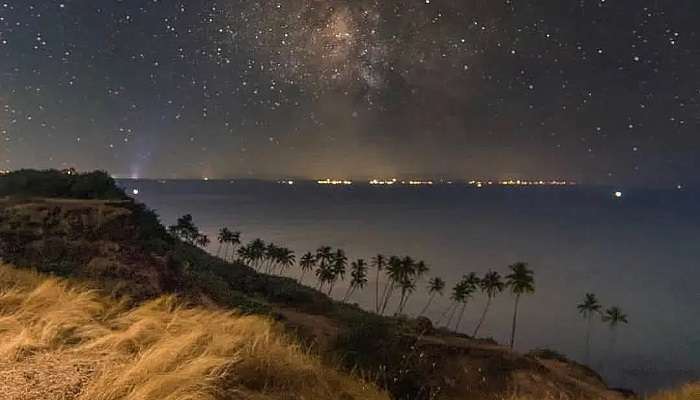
(641, 252)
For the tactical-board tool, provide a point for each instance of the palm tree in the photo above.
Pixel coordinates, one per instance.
(469, 285)
(491, 285)
(614, 317)
(521, 281)
(222, 238)
(393, 273)
(233, 239)
(307, 263)
(271, 255)
(419, 269)
(285, 258)
(435, 286)
(339, 264)
(456, 297)
(257, 251)
(324, 271)
(245, 255)
(404, 280)
(358, 273)
(587, 309)
(378, 262)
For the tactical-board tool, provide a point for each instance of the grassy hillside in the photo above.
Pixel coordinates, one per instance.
(687, 392)
(61, 340)
(64, 336)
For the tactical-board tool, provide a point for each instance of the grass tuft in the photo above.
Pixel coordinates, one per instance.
(163, 349)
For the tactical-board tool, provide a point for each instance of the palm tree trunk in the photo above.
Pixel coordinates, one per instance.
(348, 293)
(461, 314)
(588, 339)
(430, 300)
(387, 296)
(452, 314)
(301, 278)
(233, 252)
(483, 317)
(611, 349)
(376, 298)
(444, 314)
(399, 309)
(218, 249)
(405, 302)
(515, 321)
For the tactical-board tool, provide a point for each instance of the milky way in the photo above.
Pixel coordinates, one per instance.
(595, 91)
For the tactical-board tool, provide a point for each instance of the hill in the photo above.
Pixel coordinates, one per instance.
(119, 248)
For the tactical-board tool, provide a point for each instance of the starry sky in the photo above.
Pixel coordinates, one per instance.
(597, 91)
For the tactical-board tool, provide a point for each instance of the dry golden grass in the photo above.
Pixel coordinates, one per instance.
(161, 350)
(687, 392)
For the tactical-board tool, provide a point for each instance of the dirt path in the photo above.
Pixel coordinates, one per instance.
(45, 376)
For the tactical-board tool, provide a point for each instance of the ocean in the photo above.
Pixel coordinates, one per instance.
(640, 251)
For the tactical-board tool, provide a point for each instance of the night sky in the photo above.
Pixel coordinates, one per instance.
(599, 91)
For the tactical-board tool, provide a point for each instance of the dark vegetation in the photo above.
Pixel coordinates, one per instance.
(60, 184)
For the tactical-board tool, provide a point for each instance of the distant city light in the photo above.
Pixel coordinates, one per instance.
(382, 181)
(334, 182)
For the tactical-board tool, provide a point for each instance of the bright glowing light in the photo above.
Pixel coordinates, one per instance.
(334, 182)
(135, 192)
(618, 194)
(382, 181)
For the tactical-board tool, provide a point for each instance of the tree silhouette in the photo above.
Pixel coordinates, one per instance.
(468, 286)
(436, 286)
(324, 270)
(393, 273)
(187, 231)
(587, 309)
(306, 264)
(271, 254)
(257, 252)
(418, 270)
(339, 263)
(379, 263)
(222, 238)
(285, 258)
(614, 317)
(233, 239)
(491, 285)
(520, 281)
(358, 274)
(456, 297)
(226, 239)
(245, 254)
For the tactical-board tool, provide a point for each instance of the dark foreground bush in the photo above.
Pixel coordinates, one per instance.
(60, 184)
